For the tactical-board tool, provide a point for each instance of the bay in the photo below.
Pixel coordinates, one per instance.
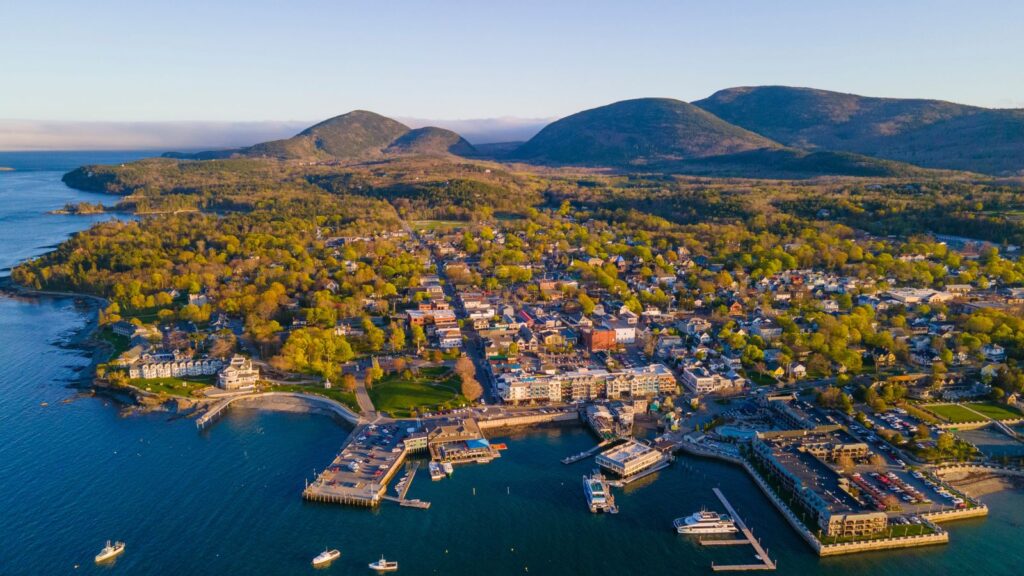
(228, 500)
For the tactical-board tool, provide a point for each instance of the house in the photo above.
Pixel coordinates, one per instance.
(994, 352)
(239, 374)
(735, 308)
(798, 370)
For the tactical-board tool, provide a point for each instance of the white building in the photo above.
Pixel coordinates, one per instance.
(629, 458)
(238, 374)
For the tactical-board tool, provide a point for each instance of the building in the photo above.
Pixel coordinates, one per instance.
(239, 374)
(646, 381)
(630, 458)
(178, 368)
(700, 380)
(598, 339)
(818, 488)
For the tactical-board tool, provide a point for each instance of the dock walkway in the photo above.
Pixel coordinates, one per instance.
(587, 453)
(407, 481)
(766, 562)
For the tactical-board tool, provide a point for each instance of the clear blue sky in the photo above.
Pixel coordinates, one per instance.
(263, 60)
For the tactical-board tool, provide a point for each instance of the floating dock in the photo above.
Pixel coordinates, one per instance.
(766, 562)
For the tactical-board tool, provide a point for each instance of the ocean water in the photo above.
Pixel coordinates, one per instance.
(79, 470)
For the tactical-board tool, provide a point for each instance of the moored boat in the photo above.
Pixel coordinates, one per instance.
(326, 557)
(448, 468)
(435, 471)
(598, 493)
(705, 522)
(110, 551)
(383, 565)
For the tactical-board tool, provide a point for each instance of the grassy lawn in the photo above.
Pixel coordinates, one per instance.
(995, 411)
(433, 387)
(952, 413)
(336, 394)
(437, 225)
(119, 343)
(173, 386)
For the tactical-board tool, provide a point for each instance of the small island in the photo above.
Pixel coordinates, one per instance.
(81, 208)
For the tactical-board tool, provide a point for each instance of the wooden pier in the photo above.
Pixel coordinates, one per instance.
(731, 542)
(766, 562)
(586, 454)
(407, 480)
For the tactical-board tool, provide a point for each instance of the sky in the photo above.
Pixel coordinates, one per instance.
(227, 61)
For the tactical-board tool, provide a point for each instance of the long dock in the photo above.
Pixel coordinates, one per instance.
(587, 453)
(766, 562)
(407, 480)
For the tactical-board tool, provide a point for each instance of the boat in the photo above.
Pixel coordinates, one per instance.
(326, 557)
(435, 471)
(383, 565)
(448, 468)
(599, 495)
(110, 551)
(705, 522)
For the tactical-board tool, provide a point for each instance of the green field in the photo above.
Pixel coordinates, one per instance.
(953, 413)
(173, 386)
(995, 411)
(432, 388)
(437, 225)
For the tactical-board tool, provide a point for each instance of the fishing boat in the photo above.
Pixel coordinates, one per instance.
(435, 471)
(325, 558)
(383, 565)
(110, 551)
(705, 522)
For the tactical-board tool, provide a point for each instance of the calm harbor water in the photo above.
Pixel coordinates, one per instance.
(76, 472)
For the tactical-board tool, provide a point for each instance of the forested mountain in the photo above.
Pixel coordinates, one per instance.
(929, 133)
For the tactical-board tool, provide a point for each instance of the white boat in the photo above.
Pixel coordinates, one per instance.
(326, 557)
(448, 468)
(705, 522)
(110, 551)
(435, 471)
(599, 496)
(383, 565)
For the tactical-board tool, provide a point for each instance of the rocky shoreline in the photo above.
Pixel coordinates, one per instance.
(84, 339)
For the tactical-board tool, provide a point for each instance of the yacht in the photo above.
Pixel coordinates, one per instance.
(110, 551)
(383, 565)
(599, 496)
(326, 557)
(435, 471)
(705, 522)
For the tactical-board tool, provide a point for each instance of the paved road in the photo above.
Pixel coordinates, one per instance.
(366, 407)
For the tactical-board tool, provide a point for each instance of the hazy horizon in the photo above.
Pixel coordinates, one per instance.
(55, 135)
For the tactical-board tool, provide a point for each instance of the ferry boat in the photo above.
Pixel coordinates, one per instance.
(383, 565)
(325, 558)
(705, 522)
(599, 496)
(448, 468)
(110, 551)
(435, 471)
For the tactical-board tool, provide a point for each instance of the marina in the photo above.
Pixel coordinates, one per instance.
(765, 563)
